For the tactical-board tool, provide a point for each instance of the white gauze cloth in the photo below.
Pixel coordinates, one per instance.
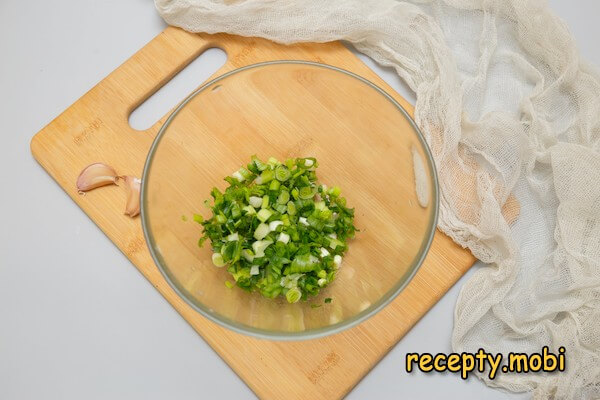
(507, 107)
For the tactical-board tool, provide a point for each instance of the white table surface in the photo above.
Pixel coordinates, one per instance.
(77, 320)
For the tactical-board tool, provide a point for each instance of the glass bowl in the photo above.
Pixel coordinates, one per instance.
(365, 142)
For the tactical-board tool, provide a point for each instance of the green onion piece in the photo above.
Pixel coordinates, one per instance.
(333, 243)
(328, 300)
(249, 210)
(259, 164)
(320, 205)
(325, 214)
(260, 246)
(264, 214)
(284, 197)
(303, 263)
(217, 259)
(261, 231)
(265, 202)
(282, 173)
(283, 238)
(235, 211)
(281, 208)
(306, 193)
(248, 255)
(198, 218)
(274, 186)
(335, 191)
(293, 295)
(233, 237)
(266, 176)
(245, 173)
(291, 208)
(229, 284)
(273, 161)
(241, 274)
(274, 224)
(255, 201)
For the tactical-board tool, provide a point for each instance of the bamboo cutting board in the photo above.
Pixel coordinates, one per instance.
(96, 128)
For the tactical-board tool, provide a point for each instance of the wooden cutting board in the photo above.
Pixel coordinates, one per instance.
(96, 128)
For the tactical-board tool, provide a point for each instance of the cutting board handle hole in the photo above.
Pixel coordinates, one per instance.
(176, 89)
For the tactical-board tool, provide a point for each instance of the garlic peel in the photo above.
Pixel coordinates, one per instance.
(96, 175)
(132, 208)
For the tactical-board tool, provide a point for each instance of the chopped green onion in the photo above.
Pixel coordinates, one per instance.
(259, 165)
(249, 210)
(266, 176)
(273, 225)
(265, 202)
(283, 238)
(255, 201)
(238, 176)
(282, 173)
(333, 243)
(264, 214)
(262, 230)
(274, 186)
(217, 259)
(337, 260)
(291, 208)
(306, 193)
(328, 300)
(293, 295)
(233, 237)
(245, 173)
(273, 234)
(280, 208)
(284, 197)
(248, 255)
(303, 263)
(259, 247)
(320, 205)
(335, 191)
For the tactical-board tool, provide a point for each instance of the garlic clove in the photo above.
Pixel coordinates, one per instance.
(96, 175)
(133, 196)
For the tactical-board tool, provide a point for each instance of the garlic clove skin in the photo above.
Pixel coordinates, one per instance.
(96, 175)
(132, 207)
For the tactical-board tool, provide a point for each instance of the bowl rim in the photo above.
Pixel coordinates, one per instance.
(342, 325)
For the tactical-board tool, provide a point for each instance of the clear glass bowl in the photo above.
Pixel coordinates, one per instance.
(365, 142)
